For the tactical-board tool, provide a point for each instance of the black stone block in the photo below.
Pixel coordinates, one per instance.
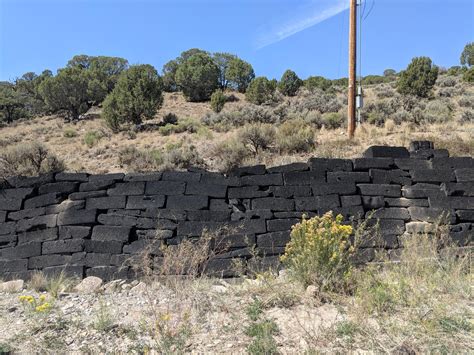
(390, 213)
(219, 179)
(405, 202)
(275, 225)
(262, 180)
(173, 215)
(96, 185)
(80, 217)
(218, 205)
(59, 187)
(248, 170)
(315, 203)
(396, 176)
(275, 239)
(333, 188)
(291, 191)
(324, 164)
(464, 175)
(16, 194)
(107, 233)
(40, 262)
(458, 189)
(142, 177)
(105, 177)
(452, 202)
(421, 190)
(21, 251)
(420, 145)
(144, 202)
(21, 181)
(304, 177)
(104, 203)
(38, 235)
(195, 228)
(380, 190)
(47, 221)
(187, 203)
(348, 177)
(101, 246)
(203, 215)
(251, 214)
(28, 213)
(352, 212)
(234, 241)
(364, 164)
(142, 245)
(221, 268)
(288, 168)
(426, 214)
(465, 215)
(378, 151)
(185, 176)
(10, 204)
(373, 202)
(452, 163)
(42, 200)
(71, 232)
(410, 164)
(3, 216)
(127, 188)
(13, 266)
(388, 226)
(433, 175)
(65, 246)
(84, 195)
(204, 189)
(247, 192)
(65, 206)
(273, 204)
(352, 200)
(7, 228)
(97, 259)
(462, 234)
(165, 188)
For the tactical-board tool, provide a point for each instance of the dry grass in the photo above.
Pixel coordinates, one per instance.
(99, 151)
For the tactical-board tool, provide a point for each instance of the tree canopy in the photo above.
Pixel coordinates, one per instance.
(467, 55)
(136, 96)
(419, 77)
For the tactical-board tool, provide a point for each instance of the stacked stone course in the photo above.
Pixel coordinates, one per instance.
(90, 225)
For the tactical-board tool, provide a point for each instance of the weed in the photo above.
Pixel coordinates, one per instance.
(70, 133)
(104, 320)
(261, 331)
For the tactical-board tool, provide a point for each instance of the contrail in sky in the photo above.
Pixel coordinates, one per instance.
(306, 17)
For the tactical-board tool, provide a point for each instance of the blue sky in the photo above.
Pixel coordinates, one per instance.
(308, 36)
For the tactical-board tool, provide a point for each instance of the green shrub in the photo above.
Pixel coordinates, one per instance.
(223, 121)
(218, 100)
(170, 118)
(257, 136)
(70, 133)
(289, 83)
(446, 82)
(198, 77)
(419, 77)
(28, 160)
(437, 111)
(468, 75)
(467, 55)
(240, 74)
(332, 120)
(318, 101)
(319, 253)
(467, 116)
(230, 154)
(136, 96)
(91, 138)
(186, 125)
(317, 82)
(295, 136)
(260, 91)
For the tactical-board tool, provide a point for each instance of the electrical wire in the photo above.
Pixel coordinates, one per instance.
(370, 10)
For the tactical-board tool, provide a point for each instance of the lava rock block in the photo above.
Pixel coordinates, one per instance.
(101, 246)
(65, 246)
(42, 200)
(38, 235)
(144, 202)
(288, 168)
(75, 177)
(324, 164)
(464, 175)
(187, 202)
(248, 170)
(107, 177)
(390, 213)
(347, 188)
(316, 203)
(202, 189)
(104, 203)
(95, 185)
(22, 251)
(59, 187)
(378, 151)
(351, 200)
(247, 192)
(262, 180)
(433, 175)
(304, 177)
(348, 177)
(364, 164)
(273, 204)
(80, 217)
(165, 188)
(285, 224)
(274, 239)
(71, 232)
(142, 177)
(46, 221)
(380, 190)
(127, 188)
(425, 214)
(108, 233)
(290, 191)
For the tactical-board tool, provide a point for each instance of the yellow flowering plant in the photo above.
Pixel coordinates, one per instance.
(319, 252)
(37, 305)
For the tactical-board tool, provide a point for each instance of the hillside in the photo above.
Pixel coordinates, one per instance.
(446, 118)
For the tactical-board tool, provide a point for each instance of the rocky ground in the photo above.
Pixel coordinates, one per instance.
(199, 316)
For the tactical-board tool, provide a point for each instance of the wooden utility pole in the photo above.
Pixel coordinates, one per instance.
(351, 103)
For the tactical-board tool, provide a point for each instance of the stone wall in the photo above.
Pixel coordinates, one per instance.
(92, 224)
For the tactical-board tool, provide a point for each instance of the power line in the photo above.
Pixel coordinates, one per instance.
(370, 10)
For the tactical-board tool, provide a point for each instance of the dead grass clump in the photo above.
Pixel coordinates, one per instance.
(230, 154)
(29, 160)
